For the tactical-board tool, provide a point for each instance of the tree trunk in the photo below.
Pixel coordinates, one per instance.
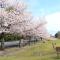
(2, 44)
(19, 43)
(29, 42)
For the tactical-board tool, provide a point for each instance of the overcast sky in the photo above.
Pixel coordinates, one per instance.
(48, 8)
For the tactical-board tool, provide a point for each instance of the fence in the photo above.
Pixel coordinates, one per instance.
(18, 43)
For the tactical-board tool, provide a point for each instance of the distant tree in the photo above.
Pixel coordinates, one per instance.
(57, 35)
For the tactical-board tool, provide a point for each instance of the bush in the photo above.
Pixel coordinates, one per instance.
(10, 37)
(57, 35)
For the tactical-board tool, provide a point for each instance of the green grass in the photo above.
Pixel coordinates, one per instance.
(39, 51)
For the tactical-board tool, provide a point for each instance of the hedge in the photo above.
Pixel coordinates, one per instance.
(10, 37)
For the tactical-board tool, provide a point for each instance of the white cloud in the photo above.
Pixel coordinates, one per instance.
(53, 22)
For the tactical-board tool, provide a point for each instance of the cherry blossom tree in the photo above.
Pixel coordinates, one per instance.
(39, 29)
(15, 19)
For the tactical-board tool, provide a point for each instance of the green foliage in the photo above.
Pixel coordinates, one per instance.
(57, 35)
(11, 37)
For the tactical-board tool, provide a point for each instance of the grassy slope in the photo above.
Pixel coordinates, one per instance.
(39, 51)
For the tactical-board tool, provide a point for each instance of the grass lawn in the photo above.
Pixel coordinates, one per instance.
(39, 51)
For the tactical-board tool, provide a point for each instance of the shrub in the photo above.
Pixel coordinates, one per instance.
(57, 35)
(10, 37)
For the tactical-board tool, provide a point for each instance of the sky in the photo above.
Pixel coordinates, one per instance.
(48, 8)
